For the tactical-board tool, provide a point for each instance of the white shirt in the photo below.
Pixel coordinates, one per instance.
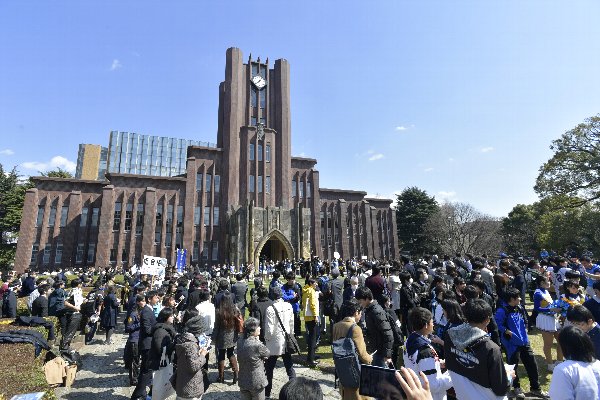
(575, 380)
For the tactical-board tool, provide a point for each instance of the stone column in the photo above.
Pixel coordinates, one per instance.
(27, 231)
(149, 222)
(107, 212)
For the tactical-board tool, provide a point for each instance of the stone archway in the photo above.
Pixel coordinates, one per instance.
(276, 244)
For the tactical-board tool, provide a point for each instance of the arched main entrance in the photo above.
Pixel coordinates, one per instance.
(273, 246)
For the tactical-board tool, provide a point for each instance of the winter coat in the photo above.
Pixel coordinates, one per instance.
(420, 356)
(380, 337)
(239, 291)
(288, 292)
(340, 330)
(163, 336)
(514, 320)
(224, 338)
(9, 305)
(110, 311)
(274, 336)
(475, 363)
(39, 307)
(189, 382)
(310, 303)
(147, 322)
(259, 311)
(250, 355)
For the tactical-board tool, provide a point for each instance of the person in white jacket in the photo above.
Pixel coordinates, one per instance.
(577, 378)
(279, 317)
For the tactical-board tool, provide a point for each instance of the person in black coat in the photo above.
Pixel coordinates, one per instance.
(9, 302)
(239, 290)
(163, 337)
(408, 300)
(147, 322)
(39, 307)
(379, 332)
(110, 310)
(28, 285)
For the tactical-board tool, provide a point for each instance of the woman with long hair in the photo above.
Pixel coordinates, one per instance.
(110, 310)
(579, 376)
(225, 336)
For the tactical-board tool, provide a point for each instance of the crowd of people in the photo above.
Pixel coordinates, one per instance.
(456, 327)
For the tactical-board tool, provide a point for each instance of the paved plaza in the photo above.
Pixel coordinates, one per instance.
(103, 376)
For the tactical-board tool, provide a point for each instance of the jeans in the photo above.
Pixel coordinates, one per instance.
(311, 339)
(525, 353)
(270, 367)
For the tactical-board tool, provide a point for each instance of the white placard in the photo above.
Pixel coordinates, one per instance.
(336, 255)
(153, 266)
(363, 257)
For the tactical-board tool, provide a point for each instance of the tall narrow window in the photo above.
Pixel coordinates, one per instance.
(169, 226)
(128, 216)
(217, 183)
(197, 215)
(117, 217)
(259, 184)
(84, 217)
(308, 190)
(64, 214)
(293, 188)
(300, 189)
(208, 182)
(34, 253)
(215, 216)
(251, 152)
(259, 151)
(196, 251)
(79, 253)
(267, 184)
(91, 253)
(253, 97)
(268, 153)
(113, 255)
(205, 251)
(159, 223)
(139, 219)
(206, 216)
(199, 181)
(124, 256)
(215, 251)
(263, 99)
(95, 216)
(58, 253)
(179, 228)
(40, 216)
(47, 251)
(251, 183)
(52, 218)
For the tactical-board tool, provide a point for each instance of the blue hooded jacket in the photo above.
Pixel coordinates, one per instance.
(514, 320)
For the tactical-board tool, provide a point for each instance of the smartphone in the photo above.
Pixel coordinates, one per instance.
(379, 382)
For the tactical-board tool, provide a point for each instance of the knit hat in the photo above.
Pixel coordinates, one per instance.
(196, 325)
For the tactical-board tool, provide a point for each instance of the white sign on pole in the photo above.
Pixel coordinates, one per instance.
(153, 266)
(364, 257)
(336, 254)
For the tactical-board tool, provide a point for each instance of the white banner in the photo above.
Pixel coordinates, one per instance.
(153, 266)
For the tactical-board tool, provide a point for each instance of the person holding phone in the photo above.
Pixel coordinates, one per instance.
(379, 332)
(189, 381)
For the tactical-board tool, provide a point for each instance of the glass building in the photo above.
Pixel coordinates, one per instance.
(133, 153)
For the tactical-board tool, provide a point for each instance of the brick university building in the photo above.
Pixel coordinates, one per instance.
(244, 199)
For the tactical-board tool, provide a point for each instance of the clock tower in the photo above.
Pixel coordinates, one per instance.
(254, 131)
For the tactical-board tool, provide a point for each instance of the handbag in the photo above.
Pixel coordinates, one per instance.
(291, 344)
(239, 322)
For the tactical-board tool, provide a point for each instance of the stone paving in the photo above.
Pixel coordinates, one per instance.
(103, 376)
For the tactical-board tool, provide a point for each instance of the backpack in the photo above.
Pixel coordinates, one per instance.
(345, 360)
(329, 308)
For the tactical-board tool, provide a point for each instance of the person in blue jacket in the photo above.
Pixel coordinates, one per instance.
(292, 293)
(512, 326)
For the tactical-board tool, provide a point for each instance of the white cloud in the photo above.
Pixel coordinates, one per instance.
(428, 169)
(451, 159)
(486, 149)
(55, 162)
(446, 195)
(376, 157)
(401, 128)
(7, 152)
(116, 64)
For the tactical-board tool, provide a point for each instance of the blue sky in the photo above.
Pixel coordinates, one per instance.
(460, 98)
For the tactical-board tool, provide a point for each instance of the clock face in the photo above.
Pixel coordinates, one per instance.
(259, 81)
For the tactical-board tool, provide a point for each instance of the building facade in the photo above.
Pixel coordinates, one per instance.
(243, 200)
(92, 161)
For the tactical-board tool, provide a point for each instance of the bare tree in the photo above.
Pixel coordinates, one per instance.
(460, 228)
